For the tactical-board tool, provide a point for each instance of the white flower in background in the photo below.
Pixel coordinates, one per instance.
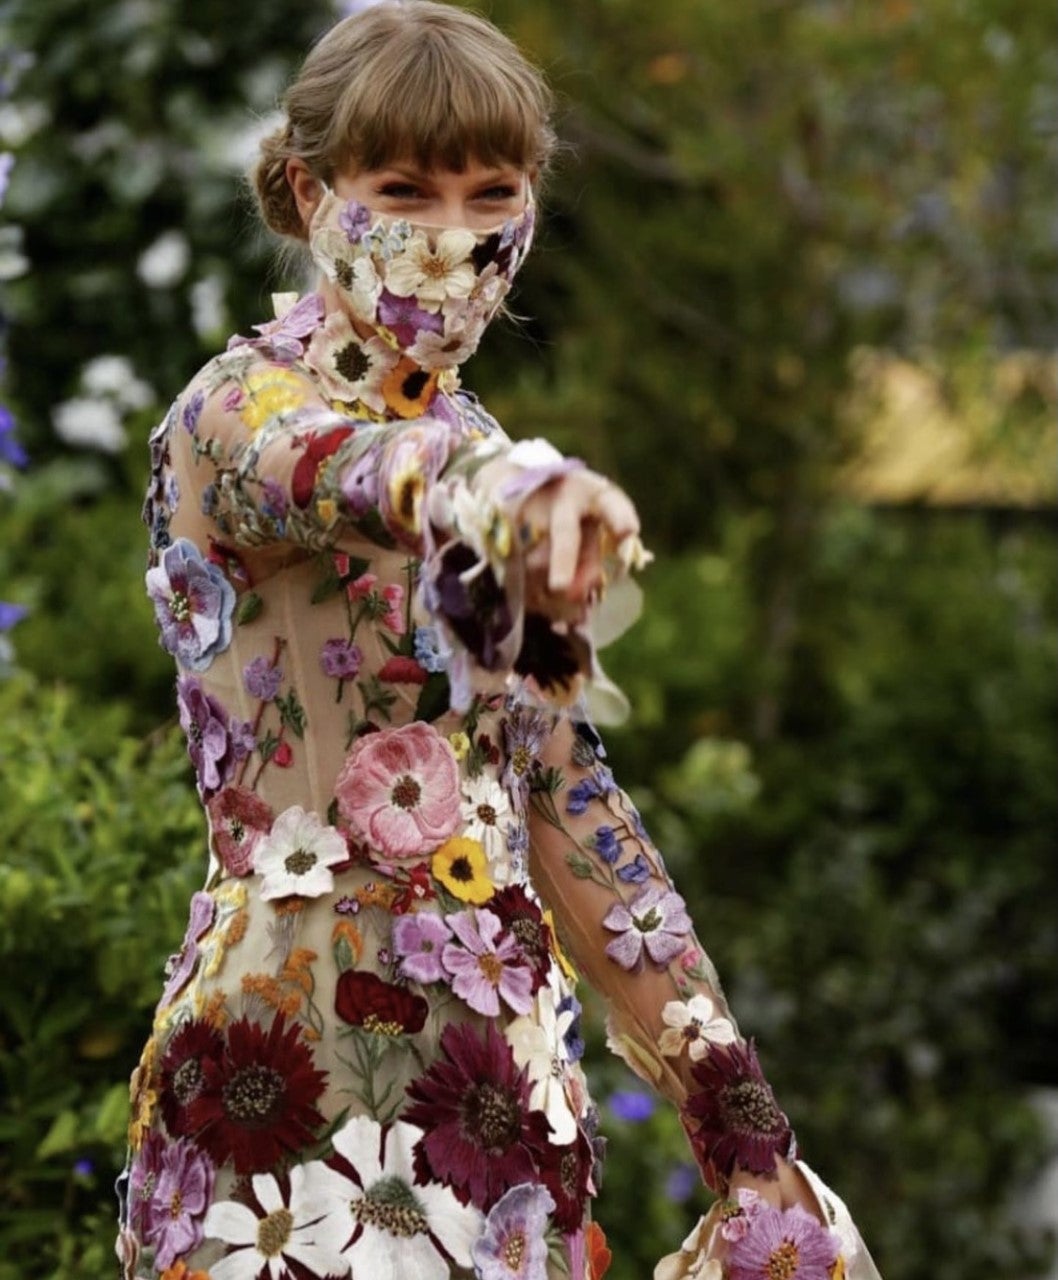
(538, 1043)
(89, 424)
(297, 855)
(208, 315)
(289, 1231)
(433, 274)
(484, 810)
(19, 121)
(384, 1223)
(165, 262)
(114, 376)
(693, 1026)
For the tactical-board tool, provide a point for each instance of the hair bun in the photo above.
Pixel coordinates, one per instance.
(275, 198)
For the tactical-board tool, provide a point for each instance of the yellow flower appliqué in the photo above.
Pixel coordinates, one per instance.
(269, 392)
(462, 866)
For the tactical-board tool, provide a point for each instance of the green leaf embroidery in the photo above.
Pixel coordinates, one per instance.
(248, 608)
(292, 713)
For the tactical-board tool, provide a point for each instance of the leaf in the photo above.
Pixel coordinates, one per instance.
(248, 608)
(580, 866)
(292, 713)
(434, 697)
(267, 746)
(62, 1135)
(326, 587)
(113, 1115)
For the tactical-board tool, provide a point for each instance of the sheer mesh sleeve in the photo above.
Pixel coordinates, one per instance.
(629, 933)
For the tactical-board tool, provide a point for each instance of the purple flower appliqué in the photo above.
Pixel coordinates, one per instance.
(573, 1039)
(405, 320)
(787, 1242)
(182, 964)
(656, 921)
(598, 783)
(203, 720)
(489, 964)
(262, 678)
(635, 872)
(193, 603)
(419, 940)
(173, 1200)
(283, 339)
(354, 220)
(193, 411)
(513, 1245)
(340, 659)
(359, 484)
(606, 844)
(524, 732)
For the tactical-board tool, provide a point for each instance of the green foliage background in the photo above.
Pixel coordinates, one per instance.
(843, 728)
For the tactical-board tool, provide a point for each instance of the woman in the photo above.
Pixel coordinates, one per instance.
(365, 1060)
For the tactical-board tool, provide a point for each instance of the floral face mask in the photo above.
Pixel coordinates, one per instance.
(428, 292)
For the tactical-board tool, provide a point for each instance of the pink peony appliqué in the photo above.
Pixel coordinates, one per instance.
(399, 789)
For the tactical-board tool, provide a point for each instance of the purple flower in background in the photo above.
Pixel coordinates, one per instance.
(513, 1245)
(635, 872)
(682, 1182)
(283, 339)
(84, 1168)
(632, 1105)
(182, 964)
(262, 679)
(355, 218)
(11, 451)
(204, 721)
(193, 604)
(340, 659)
(405, 320)
(419, 940)
(657, 922)
(7, 163)
(11, 614)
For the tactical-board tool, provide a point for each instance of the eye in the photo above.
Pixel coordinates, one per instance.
(501, 191)
(401, 191)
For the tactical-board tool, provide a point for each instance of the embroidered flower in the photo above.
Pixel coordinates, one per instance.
(693, 1026)
(428, 652)
(359, 483)
(473, 1105)
(340, 659)
(522, 918)
(525, 730)
(656, 921)
(283, 339)
(401, 670)
(572, 1038)
(279, 1234)
(350, 368)
(271, 391)
(405, 320)
(183, 963)
(488, 965)
(783, 1242)
(193, 604)
(538, 1044)
(739, 1121)
(445, 351)
(513, 1245)
(599, 1254)
(209, 744)
(262, 678)
(418, 941)
(170, 1196)
(462, 867)
(238, 819)
(257, 1101)
(388, 1225)
(408, 389)
(297, 855)
(635, 872)
(317, 448)
(485, 804)
(434, 273)
(181, 1072)
(566, 1172)
(399, 789)
(598, 783)
(409, 465)
(363, 1000)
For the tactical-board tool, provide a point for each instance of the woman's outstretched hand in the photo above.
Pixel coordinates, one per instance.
(569, 527)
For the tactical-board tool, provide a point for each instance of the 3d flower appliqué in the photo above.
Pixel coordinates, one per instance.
(656, 922)
(193, 604)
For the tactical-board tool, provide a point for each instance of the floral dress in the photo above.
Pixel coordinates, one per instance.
(365, 1061)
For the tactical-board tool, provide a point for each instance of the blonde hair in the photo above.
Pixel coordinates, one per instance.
(415, 80)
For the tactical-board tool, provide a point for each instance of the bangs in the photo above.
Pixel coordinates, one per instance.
(421, 99)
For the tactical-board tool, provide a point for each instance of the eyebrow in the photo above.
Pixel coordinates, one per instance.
(422, 175)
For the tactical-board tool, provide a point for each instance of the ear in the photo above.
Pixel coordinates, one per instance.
(307, 188)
